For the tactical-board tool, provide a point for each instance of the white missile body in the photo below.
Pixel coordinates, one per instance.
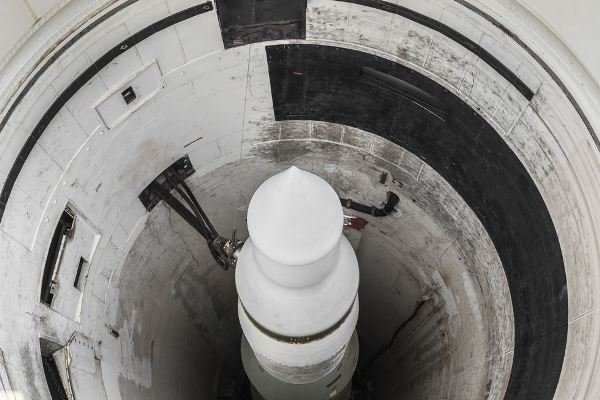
(297, 281)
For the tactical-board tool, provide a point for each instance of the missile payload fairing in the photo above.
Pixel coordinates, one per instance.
(297, 281)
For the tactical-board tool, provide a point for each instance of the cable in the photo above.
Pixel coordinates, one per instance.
(192, 202)
(204, 217)
(223, 250)
(186, 214)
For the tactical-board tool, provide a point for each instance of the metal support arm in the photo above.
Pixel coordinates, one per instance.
(225, 251)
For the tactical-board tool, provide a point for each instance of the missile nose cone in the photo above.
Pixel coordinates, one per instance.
(295, 217)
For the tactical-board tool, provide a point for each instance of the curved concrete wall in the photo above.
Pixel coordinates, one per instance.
(557, 28)
(573, 23)
(97, 154)
(19, 18)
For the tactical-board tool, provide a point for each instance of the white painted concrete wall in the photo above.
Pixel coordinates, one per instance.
(102, 168)
(18, 18)
(575, 22)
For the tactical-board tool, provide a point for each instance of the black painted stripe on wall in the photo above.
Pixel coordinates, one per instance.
(57, 55)
(541, 62)
(250, 21)
(310, 82)
(452, 34)
(79, 82)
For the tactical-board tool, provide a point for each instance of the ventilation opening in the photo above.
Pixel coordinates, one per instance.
(128, 95)
(54, 378)
(57, 390)
(61, 233)
(81, 270)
